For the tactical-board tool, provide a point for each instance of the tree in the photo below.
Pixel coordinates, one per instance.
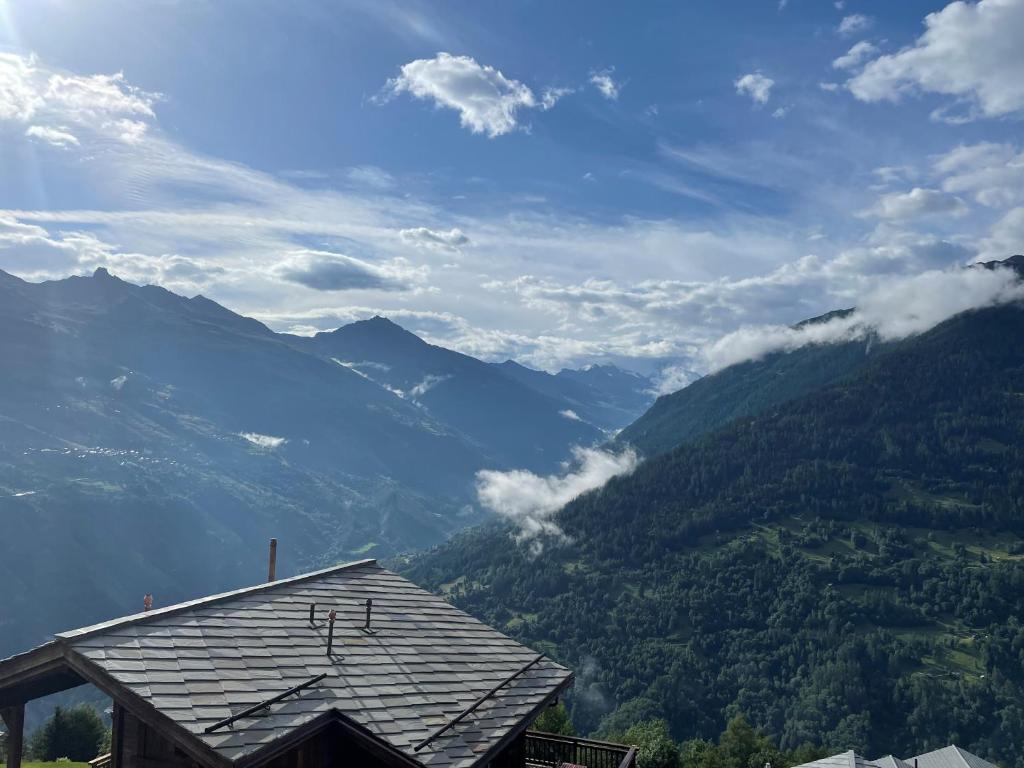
(655, 747)
(555, 720)
(76, 733)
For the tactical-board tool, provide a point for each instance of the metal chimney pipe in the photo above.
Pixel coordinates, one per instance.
(273, 560)
(330, 630)
(369, 611)
(147, 602)
(312, 611)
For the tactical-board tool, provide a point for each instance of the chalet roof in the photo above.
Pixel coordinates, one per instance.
(422, 663)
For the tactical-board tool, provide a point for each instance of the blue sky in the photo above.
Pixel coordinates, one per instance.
(558, 182)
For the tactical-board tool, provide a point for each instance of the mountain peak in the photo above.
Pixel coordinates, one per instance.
(1015, 263)
(101, 273)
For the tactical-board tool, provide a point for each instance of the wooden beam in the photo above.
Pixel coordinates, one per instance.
(14, 719)
(189, 743)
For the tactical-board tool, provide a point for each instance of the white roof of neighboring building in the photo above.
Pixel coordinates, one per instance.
(947, 757)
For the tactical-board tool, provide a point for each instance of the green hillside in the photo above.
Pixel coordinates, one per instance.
(846, 568)
(739, 391)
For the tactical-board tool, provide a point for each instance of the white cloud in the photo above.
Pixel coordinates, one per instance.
(918, 202)
(437, 239)
(901, 307)
(1005, 238)
(570, 414)
(855, 55)
(429, 382)
(605, 83)
(267, 442)
(552, 96)
(371, 176)
(830, 87)
(327, 271)
(486, 100)
(970, 51)
(58, 137)
(531, 501)
(756, 86)
(20, 95)
(854, 24)
(780, 113)
(55, 102)
(672, 378)
(993, 173)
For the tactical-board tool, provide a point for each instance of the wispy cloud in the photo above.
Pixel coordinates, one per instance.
(900, 308)
(854, 24)
(605, 83)
(267, 442)
(531, 501)
(424, 237)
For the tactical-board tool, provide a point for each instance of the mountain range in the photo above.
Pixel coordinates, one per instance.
(152, 442)
(829, 540)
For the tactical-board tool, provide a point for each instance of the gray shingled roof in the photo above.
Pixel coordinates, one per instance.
(423, 663)
(890, 761)
(843, 760)
(949, 757)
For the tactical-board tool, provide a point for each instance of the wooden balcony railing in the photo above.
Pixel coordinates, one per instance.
(546, 750)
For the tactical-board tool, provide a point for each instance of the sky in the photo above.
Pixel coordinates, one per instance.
(560, 183)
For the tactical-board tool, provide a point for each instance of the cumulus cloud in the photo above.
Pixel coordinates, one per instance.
(970, 51)
(854, 24)
(570, 414)
(55, 105)
(530, 501)
(855, 55)
(605, 83)
(437, 239)
(896, 309)
(918, 202)
(486, 100)
(326, 271)
(267, 442)
(755, 85)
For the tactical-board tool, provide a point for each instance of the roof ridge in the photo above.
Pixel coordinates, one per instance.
(138, 618)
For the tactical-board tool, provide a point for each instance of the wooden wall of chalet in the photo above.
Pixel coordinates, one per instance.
(136, 745)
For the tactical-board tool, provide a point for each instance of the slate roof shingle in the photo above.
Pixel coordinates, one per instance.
(422, 663)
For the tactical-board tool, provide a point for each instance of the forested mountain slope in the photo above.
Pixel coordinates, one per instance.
(846, 567)
(603, 395)
(513, 423)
